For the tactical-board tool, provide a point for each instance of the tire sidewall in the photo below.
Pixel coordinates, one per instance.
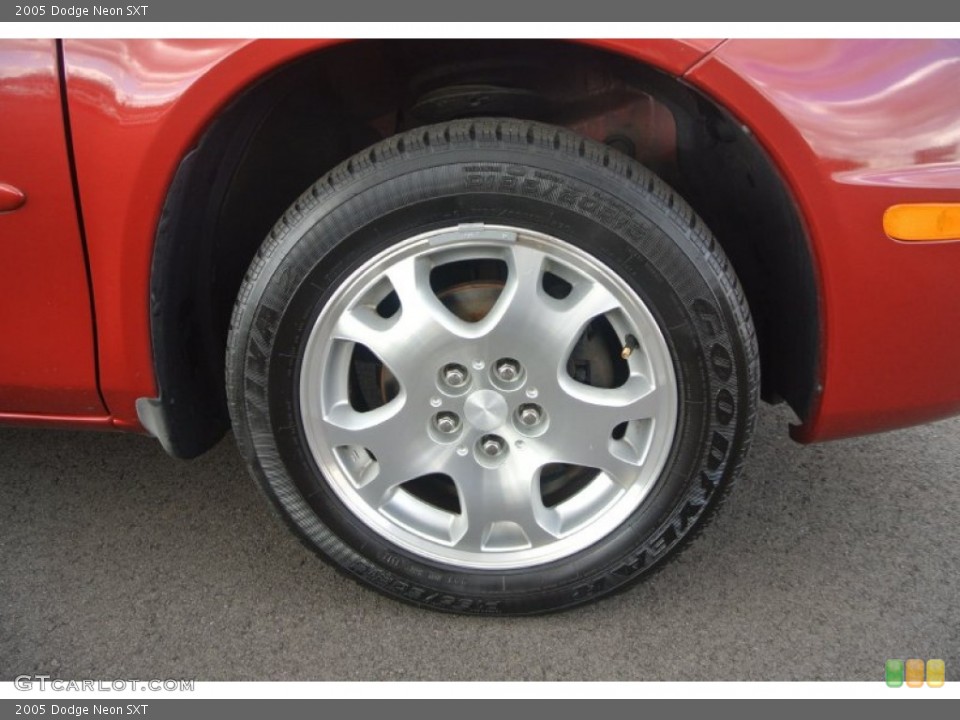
(663, 256)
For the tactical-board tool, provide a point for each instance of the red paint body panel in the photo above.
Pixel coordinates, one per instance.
(74, 422)
(137, 106)
(673, 56)
(853, 126)
(11, 198)
(857, 126)
(47, 360)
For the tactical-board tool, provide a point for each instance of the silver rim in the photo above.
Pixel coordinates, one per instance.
(481, 438)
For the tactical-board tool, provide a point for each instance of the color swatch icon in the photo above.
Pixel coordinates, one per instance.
(893, 670)
(912, 671)
(936, 672)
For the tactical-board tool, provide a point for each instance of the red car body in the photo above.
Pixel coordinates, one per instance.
(95, 130)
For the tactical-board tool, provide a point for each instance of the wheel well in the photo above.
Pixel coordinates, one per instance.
(287, 130)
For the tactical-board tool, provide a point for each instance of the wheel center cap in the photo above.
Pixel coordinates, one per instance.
(486, 410)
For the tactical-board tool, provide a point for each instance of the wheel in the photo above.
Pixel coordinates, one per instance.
(492, 367)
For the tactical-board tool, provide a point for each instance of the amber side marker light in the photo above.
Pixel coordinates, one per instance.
(923, 222)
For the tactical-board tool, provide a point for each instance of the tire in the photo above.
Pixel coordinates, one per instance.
(491, 366)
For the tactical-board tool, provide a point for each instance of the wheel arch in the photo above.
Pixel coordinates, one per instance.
(201, 250)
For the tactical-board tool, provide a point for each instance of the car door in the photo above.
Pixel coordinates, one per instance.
(47, 344)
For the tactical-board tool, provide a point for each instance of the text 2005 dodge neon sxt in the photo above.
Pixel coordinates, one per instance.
(490, 320)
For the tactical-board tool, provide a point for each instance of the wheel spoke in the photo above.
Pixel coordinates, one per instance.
(584, 432)
(400, 446)
(525, 310)
(593, 450)
(383, 336)
(636, 399)
(585, 302)
(502, 508)
(422, 318)
(522, 301)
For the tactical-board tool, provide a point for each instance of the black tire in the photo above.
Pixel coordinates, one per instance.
(552, 180)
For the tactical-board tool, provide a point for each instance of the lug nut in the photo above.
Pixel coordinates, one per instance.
(492, 445)
(446, 422)
(508, 370)
(530, 415)
(455, 375)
